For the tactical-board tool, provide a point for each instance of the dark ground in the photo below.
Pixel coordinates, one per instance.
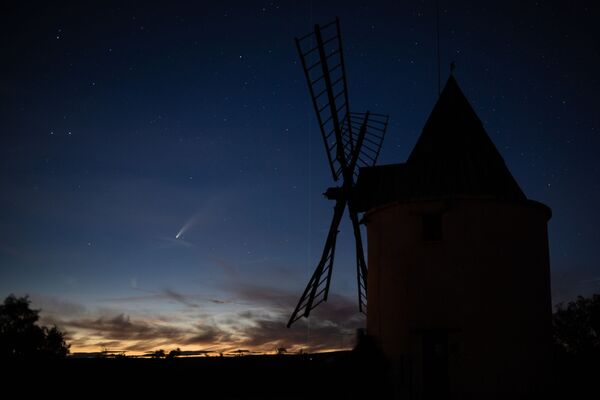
(340, 375)
(326, 375)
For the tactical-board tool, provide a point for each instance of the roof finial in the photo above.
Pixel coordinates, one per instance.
(452, 68)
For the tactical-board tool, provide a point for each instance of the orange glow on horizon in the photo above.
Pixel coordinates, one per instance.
(227, 349)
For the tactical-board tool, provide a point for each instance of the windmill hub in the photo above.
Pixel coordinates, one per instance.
(336, 193)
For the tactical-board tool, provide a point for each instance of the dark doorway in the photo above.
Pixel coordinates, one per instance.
(435, 364)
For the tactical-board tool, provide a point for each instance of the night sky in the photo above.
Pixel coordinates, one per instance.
(124, 126)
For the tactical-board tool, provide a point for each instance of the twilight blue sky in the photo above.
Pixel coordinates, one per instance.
(122, 125)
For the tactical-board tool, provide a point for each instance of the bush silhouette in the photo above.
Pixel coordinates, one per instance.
(21, 337)
(577, 326)
(174, 354)
(158, 354)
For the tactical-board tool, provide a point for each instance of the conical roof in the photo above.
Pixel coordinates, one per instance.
(453, 157)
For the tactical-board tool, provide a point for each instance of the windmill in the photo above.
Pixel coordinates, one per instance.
(351, 140)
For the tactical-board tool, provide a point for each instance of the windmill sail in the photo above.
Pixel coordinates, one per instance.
(318, 287)
(375, 128)
(322, 58)
(351, 140)
(361, 265)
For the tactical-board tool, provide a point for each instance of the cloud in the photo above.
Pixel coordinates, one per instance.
(121, 327)
(121, 331)
(189, 300)
(332, 325)
(109, 344)
(275, 333)
(255, 319)
(208, 334)
(338, 308)
(269, 332)
(258, 330)
(53, 309)
(264, 295)
(178, 297)
(56, 305)
(195, 352)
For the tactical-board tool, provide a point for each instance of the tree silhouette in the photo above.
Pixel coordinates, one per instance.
(55, 345)
(281, 351)
(21, 337)
(577, 326)
(160, 353)
(174, 353)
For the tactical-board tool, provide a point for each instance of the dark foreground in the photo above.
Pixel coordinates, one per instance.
(339, 375)
(326, 375)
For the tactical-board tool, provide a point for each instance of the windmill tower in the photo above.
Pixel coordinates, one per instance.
(351, 140)
(458, 289)
(459, 277)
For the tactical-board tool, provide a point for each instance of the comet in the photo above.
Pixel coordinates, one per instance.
(190, 222)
